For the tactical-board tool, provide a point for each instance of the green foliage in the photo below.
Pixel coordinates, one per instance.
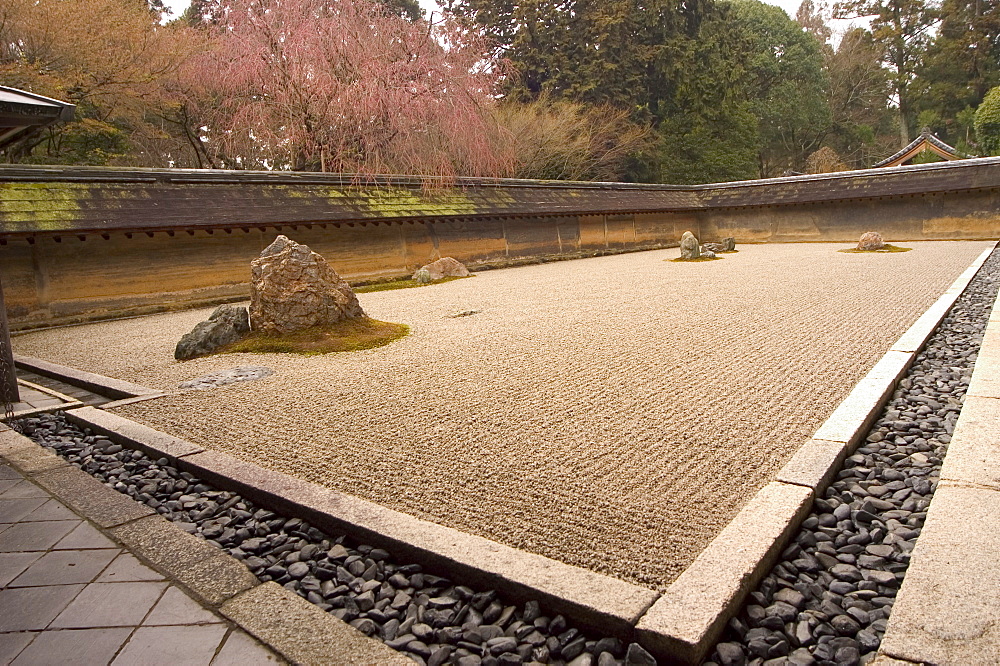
(960, 66)
(987, 123)
(787, 85)
(903, 30)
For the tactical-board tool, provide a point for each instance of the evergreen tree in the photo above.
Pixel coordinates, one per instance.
(903, 29)
(787, 85)
(988, 123)
(961, 65)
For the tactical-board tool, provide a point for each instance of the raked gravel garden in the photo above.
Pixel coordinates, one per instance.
(826, 602)
(613, 413)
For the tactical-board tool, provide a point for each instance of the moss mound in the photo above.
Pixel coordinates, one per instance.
(885, 250)
(402, 284)
(691, 261)
(348, 335)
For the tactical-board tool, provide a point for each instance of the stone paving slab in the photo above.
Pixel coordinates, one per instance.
(70, 590)
(69, 594)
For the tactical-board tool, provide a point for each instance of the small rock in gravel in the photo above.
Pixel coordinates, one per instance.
(730, 654)
(298, 569)
(637, 656)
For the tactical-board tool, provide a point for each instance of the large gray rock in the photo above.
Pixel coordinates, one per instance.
(224, 326)
(689, 246)
(871, 241)
(293, 288)
(442, 268)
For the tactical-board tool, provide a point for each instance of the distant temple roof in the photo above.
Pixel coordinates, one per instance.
(926, 141)
(22, 112)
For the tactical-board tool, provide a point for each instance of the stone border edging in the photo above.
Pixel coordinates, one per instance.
(279, 618)
(689, 617)
(106, 386)
(947, 609)
(593, 600)
(68, 402)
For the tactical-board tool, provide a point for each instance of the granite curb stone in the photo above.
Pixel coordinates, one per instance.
(113, 388)
(595, 600)
(135, 435)
(302, 632)
(217, 578)
(882, 660)
(860, 408)
(985, 381)
(88, 496)
(165, 546)
(683, 624)
(349, 602)
(973, 453)
(829, 598)
(32, 460)
(947, 608)
(814, 465)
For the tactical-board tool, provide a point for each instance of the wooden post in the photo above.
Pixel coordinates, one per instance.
(8, 377)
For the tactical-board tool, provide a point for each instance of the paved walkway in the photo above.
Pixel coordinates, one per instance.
(68, 594)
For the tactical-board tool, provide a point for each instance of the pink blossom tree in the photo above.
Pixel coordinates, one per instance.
(345, 86)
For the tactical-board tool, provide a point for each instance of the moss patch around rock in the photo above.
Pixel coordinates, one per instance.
(402, 284)
(688, 261)
(886, 249)
(348, 335)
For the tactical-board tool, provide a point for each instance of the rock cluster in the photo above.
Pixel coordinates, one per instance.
(293, 288)
(224, 326)
(871, 241)
(442, 268)
(433, 620)
(828, 599)
(727, 244)
(689, 246)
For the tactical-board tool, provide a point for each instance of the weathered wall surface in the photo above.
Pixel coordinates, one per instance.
(931, 216)
(84, 243)
(48, 281)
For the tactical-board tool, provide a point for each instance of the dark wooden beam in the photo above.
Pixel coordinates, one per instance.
(8, 376)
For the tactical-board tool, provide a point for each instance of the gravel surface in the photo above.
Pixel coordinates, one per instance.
(613, 413)
(431, 619)
(827, 601)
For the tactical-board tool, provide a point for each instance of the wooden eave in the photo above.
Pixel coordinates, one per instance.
(926, 141)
